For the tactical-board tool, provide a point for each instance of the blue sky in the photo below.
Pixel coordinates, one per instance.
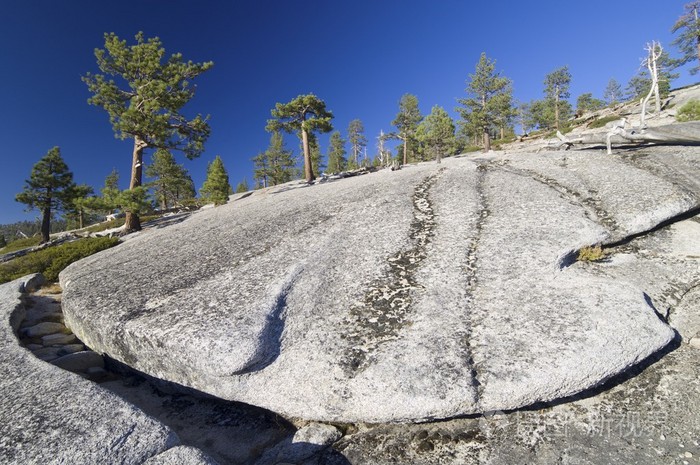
(359, 56)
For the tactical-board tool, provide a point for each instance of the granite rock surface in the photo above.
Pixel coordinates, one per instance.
(430, 292)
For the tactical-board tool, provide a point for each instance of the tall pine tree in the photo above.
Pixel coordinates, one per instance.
(437, 133)
(336, 153)
(171, 183)
(556, 90)
(304, 115)
(613, 92)
(357, 139)
(48, 188)
(406, 122)
(489, 103)
(147, 106)
(689, 39)
(282, 166)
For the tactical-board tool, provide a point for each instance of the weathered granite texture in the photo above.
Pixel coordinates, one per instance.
(51, 416)
(649, 416)
(431, 292)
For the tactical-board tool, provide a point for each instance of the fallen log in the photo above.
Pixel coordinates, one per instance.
(670, 134)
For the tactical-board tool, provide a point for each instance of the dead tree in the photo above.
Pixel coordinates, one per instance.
(654, 51)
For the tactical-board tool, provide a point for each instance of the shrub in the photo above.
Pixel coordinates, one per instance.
(689, 112)
(601, 122)
(53, 260)
(591, 254)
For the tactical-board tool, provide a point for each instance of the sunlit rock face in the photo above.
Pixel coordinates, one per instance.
(430, 292)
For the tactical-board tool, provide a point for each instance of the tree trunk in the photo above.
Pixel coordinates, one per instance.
(487, 140)
(308, 169)
(81, 214)
(556, 109)
(46, 225)
(405, 150)
(132, 222)
(503, 132)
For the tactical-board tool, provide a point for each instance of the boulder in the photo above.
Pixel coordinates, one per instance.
(51, 416)
(430, 292)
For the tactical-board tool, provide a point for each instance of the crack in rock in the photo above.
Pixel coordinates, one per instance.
(470, 271)
(591, 202)
(387, 303)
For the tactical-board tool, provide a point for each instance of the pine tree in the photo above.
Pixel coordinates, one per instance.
(689, 39)
(304, 115)
(336, 153)
(490, 102)
(280, 162)
(242, 187)
(79, 203)
(48, 188)
(109, 199)
(586, 103)
(407, 121)
(171, 183)
(3, 242)
(357, 139)
(147, 107)
(437, 133)
(261, 169)
(613, 92)
(556, 89)
(216, 187)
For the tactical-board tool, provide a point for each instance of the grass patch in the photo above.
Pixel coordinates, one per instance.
(52, 260)
(20, 244)
(591, 254)
(601, 122)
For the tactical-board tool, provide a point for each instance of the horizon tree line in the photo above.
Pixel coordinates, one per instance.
(144, 104)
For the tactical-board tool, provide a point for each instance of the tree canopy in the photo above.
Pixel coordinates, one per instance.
(146, 104)
(437, 133)
(357, 139)
(172, 184)
(304, 115)
(586, 102)
(336, 153)
(489, 101)
(216, 187)
(48, 189)
(688, 41)
(556, 90)
(406, 121)
(613, 92)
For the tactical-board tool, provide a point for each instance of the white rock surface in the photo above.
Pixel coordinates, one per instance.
(430, 292)
(181, 455)
(51, 416)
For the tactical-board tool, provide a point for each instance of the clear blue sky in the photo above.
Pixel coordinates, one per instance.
(359, 56)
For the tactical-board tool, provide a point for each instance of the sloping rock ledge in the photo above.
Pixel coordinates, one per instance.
(51, 416)
(432, 292)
